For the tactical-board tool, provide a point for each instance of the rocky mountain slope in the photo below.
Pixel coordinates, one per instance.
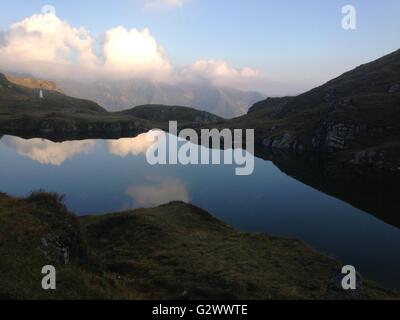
(175, 251)
(355, 117)
(120, 95)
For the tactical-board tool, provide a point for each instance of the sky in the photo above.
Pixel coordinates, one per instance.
(273, 46)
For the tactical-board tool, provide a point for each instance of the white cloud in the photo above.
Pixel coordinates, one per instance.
(134, 53)
(45, 46)
(44, 39)
(165, 3)
(219, 72)
(169, 189)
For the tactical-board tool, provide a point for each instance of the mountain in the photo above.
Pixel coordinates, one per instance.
(119, 95)
(175, 251)
(355, 117)
(164, 114)
(22, 95)
(31, 82)
(23, 111)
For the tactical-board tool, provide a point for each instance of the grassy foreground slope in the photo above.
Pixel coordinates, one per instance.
(172, 251)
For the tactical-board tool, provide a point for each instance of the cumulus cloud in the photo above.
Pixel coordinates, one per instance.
(135, 53)
(48, 152)
(219, 72)
(165, 3)
(43, 41)
(169, 189)
(48, 47)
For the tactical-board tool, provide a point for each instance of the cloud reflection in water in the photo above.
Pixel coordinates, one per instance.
(164, 191)
(48, 152)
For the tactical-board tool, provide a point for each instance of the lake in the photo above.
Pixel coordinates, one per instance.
(99, 176)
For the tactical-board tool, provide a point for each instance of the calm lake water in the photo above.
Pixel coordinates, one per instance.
(99, 176)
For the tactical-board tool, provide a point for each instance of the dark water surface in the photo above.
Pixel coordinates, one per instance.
(99, 176)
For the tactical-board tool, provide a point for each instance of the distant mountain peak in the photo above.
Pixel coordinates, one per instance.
(126, 94)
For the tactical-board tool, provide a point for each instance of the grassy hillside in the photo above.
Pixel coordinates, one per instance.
(355, 117)
(33, 83)
(15, 99)
(172, 251)
(163, 114)
(367, 97)
(22, 111)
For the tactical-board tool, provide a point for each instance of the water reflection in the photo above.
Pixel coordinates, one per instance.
(155, 193)
(48, 152)
(369, 191)
(132, 146)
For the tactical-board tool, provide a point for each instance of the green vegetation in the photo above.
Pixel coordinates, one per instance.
(163, 114)
(33, 233)
(172, 251)
(23, 111)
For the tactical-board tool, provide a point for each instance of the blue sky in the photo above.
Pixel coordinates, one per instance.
(299, 43)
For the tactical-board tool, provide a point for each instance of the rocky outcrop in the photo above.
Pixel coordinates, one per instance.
(286, 142)
(332, 137)
(54, 249)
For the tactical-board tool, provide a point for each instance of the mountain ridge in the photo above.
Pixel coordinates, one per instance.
(124, 94)
(355, 117)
